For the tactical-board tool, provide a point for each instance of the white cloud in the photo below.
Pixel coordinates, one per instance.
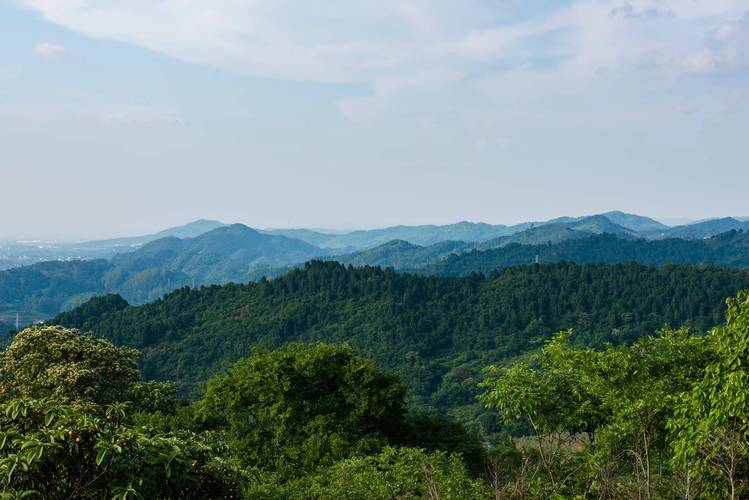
(463, 49)
(367, 40)
(45, 49)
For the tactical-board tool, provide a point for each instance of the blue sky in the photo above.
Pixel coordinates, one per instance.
(125, 117)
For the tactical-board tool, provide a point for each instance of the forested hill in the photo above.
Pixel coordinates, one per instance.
(228, 253)
(436, 332)
(728, 249)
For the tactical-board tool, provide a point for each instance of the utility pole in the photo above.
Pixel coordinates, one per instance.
(17, 322)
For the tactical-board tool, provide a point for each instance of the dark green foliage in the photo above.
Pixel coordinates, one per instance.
(39, 291)
(400, 254)
(50, 450)
(729, 249)
(97, 307)
(66, 430)
(302, 406)
(395, 473)
(239, 254)
(434, 433)
(307, 421)
(420, 327)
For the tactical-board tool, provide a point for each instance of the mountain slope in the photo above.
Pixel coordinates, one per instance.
(634, 222)
(416, 235)
(611, 222)
(423, 327)
(705, 229)
(189, 230)
(562, 229)
(17, 254)
(400, 254)
(459, 259)
(42, 290)
(728, 249)
(229, 253)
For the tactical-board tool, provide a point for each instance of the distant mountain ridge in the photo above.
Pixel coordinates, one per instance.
(402, 254)
(614, 222)
(728, 249)
(417, 235)
(705, 229)
(228, 253)
(458, 259)
(16, 254)
(144, 268)
(189, 230)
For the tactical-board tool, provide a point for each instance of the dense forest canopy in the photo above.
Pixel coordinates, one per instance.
(664, 417)
(436, 333)
(240, 254)
(77, 421)
(730, 249)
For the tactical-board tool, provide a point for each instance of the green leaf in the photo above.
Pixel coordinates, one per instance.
(101, 455)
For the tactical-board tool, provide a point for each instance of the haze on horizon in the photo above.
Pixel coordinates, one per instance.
(126, 118)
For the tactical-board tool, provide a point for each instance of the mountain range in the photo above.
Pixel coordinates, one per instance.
(613, 222)
(22, 253)
(205, 252)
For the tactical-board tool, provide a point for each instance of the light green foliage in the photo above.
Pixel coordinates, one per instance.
(50, 449)
(402, 473)
(599, 417)
(302, 406)
(64, 431)
(711, 425)
(62, 363)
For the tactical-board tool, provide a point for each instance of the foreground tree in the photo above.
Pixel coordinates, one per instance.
(598, 418)
(65, 431)
(711, 425)
(64, 364)
(302, 406)
(50, 449)
(403, 473)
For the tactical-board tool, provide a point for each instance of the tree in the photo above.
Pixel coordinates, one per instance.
(64, 364)
(711, 423)
(404, 473)
(599, 416)
(52, 449)
(302, 406)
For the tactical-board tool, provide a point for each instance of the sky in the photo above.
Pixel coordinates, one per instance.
(127, 117)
